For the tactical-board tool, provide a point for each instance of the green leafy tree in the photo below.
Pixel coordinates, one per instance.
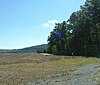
(80, 35)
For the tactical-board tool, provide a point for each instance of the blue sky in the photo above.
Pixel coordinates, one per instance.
(25, 23)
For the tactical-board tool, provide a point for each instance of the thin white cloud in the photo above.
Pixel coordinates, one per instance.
(46, 25)
(50, 24)
(52, 21)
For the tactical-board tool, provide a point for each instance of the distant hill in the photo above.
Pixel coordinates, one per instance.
(27, 49)
(33, 48)
(4, 50)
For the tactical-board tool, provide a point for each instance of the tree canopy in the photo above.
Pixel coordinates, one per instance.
(80, 34)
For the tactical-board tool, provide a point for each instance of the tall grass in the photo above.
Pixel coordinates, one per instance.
(21, 68)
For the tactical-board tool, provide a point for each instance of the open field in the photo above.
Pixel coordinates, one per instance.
(23, 68)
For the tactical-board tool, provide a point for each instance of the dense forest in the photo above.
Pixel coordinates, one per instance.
(80, 34)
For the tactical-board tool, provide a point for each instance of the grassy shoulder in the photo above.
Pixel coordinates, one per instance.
(22, 68)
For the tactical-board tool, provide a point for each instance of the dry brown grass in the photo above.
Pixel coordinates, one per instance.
(21, 68)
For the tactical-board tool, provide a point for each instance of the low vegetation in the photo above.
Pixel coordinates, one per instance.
(21, 68)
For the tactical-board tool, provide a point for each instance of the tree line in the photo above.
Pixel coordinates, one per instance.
(80, 34)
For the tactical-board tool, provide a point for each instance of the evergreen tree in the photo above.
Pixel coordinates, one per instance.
(80, 35)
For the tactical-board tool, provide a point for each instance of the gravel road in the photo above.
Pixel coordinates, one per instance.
(80, 76)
